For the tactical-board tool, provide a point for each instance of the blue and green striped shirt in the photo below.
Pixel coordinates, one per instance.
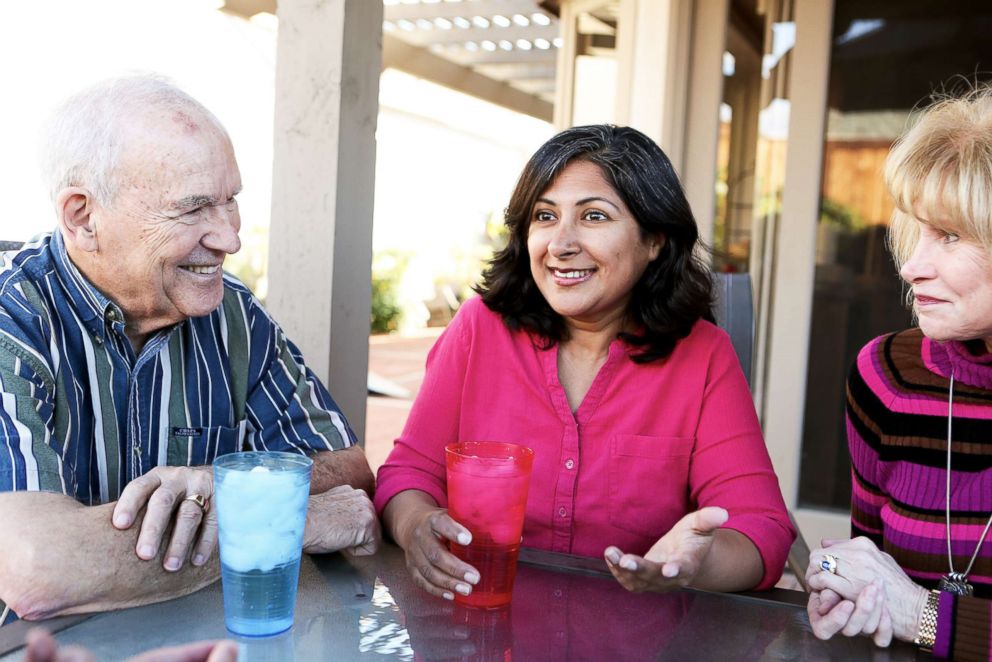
(81, 414)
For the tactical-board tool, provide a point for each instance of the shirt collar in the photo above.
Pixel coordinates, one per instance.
(94, 309)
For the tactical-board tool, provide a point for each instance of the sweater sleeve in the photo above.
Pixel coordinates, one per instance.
(964, 628)
(417, 459)
(730, 466)
(864, 408)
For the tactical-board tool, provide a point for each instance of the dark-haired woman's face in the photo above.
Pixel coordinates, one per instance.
(585, 246)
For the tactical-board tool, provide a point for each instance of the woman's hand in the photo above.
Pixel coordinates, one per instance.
(673, 561)
(861, 564)
(434, 568)
(829, 614)
(420, 528)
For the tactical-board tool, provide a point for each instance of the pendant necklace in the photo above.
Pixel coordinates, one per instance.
(956, 582)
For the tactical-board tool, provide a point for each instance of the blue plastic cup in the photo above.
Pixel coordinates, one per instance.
(261, 500)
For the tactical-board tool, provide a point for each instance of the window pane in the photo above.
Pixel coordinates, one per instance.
(886, 58)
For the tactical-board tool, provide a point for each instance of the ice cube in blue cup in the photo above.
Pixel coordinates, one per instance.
(261, 500)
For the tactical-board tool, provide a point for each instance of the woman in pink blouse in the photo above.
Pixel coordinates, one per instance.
(593, 344)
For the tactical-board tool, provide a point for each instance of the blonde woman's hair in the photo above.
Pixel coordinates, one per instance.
(940, 172)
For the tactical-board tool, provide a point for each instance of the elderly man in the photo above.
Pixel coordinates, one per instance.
(129, 361)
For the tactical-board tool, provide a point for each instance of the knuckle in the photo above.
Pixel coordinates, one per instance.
(161, 499)
(188, 515)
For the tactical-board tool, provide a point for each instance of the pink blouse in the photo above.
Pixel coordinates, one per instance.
(649, 443)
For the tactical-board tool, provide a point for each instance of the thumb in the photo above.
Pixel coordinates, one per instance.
(830, 542)
(706, 520)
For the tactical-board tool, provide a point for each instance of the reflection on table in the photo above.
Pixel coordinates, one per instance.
(563, 609)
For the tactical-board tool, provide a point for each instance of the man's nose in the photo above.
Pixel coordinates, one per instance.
(222, 234)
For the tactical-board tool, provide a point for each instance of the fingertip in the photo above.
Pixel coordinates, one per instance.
(464, 538)
(121, 520)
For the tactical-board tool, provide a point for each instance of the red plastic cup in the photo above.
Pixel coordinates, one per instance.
(487, 494)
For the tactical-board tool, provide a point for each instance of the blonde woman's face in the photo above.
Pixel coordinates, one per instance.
(951, 278)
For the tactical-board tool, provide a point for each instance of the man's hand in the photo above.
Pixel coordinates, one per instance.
(674, 560)
(162, 493)
(42, 648)
(341, 518)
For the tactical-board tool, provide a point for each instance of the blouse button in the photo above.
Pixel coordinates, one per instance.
(569, 463)
(562, 512)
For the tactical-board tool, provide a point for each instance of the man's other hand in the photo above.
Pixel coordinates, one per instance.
(341, 518)
(162, 493)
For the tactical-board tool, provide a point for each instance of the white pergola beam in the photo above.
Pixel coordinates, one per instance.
(424, 64)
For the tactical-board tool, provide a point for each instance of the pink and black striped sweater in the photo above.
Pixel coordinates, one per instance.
(897, 433)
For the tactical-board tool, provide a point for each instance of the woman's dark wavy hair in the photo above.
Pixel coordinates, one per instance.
(675, 290)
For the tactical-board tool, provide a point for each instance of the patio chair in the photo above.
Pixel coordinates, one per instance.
(733, 309)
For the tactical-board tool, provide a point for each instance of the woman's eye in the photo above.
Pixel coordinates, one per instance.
(948, 237)
(593, 215)
(544, 216)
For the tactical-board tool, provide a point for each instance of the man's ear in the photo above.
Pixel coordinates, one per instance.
(74, 206)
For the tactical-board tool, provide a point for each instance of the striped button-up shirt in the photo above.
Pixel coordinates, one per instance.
(83, 415)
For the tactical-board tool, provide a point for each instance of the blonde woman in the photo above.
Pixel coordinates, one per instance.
(920, 410)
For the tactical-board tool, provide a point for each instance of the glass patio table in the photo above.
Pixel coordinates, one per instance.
(564, 608)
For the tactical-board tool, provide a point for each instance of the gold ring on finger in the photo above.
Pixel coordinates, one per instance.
(829, 563)
(199, 500)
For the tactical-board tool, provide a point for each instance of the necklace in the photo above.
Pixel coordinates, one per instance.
(956, 582)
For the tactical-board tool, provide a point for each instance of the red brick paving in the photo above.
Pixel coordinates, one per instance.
(399, 359)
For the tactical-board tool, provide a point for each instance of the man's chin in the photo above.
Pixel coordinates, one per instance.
(200, 306)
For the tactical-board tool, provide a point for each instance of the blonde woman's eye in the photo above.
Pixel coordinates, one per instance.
(949, 237)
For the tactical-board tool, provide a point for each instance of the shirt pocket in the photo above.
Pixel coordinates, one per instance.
(201, 445)
(648, 482)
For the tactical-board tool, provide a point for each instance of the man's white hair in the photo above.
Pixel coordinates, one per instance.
(87, 134)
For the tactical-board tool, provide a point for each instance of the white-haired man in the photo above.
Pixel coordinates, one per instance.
(129, 361)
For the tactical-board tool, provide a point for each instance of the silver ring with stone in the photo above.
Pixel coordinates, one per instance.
(829, 563)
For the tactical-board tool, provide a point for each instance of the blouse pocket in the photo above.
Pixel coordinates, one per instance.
(648, 482)
(199, 446)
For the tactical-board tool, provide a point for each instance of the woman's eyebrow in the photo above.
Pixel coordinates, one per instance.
(596, 198)
(579, 203)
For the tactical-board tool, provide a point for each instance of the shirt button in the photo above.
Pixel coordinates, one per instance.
(569, 463)
(112, 315)
(562, 512)
(98, 340)
(137, 451)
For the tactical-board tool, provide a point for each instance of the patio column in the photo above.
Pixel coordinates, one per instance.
(661, 63)
(328, 61)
